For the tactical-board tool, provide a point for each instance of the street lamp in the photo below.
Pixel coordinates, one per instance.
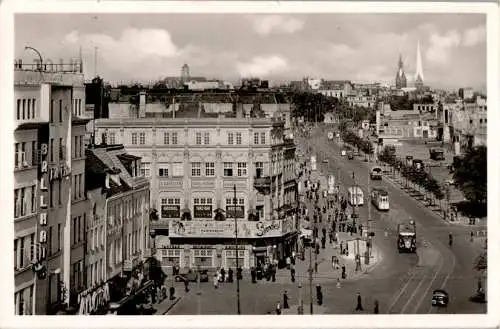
(238, 307)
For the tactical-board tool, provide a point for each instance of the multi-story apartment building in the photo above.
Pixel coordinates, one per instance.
(50, 207)
(204, 172)
(118, 227)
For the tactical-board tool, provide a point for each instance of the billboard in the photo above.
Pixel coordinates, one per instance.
(226, 229)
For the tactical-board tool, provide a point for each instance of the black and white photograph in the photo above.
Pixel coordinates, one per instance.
(247, 162)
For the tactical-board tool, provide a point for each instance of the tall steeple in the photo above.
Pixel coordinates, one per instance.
(400, 75)
(419, 72)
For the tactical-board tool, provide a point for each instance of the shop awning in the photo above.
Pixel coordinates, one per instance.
(259, 249)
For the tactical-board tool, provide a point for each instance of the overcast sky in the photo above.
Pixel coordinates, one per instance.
(358, 47)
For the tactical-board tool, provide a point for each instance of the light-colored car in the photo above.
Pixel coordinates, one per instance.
(325, 161)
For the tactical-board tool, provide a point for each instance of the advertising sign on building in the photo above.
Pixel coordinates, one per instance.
(170, 211)
(225, 229)
(235, 211)
(203, 211)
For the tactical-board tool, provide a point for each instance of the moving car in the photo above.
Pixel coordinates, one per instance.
(350, 156)
(440, 298)
(376, 173)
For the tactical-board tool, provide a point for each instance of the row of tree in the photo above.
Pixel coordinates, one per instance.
(418, 176)
(313, 107)
(361, 144)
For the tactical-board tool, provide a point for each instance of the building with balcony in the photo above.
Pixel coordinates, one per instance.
(50, 206)
(193, 165)
(118, 226)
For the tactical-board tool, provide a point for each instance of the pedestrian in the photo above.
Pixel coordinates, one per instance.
(323, 242)
(330, 236)
(288, 262)
(450, 239)
(230, 275)
(342, 247)
(278, 308)
(293, 257)
(186, 285)
(239, 273)
(285, 300)
(216, 281)
(471, 236)
(292, 273)
(375, 308)
(344, 274)
(253, 274)
(319, 295)
(324, 231)
(222, 274)
(359, 307)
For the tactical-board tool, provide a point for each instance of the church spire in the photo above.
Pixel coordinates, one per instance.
(419, 72)
(400, 75)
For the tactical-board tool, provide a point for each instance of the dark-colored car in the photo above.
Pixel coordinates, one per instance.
(204, 276)
(440, 298)
(350, 156)
(192, 276)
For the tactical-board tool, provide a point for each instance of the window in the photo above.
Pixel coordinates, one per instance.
(75, 150)
(34, 154)
(142, 138)
(259, 169)
(60, 237)
(242, 169)
(33, 199)
(59, 192)
(209, 169)
(163, 171)
(73, 225)
(166, 138)
(134, 138)
(238, 138)
(240, 201)
(228, 169)
(49, 241)
(60, 111)
(206, 138)
(51, 114)
(24, 109)
(196, 169)
(18, 111)
(256, 138)
(177, 169)
(17, 203)
(174, 138)
(112, 138)
(145, 169)
(28, 109)
(230, 138)
(198, 138)
(79, 107)
(263, 138)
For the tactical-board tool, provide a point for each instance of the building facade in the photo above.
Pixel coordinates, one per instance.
(50, 207)
(194, 165)
(118, 227)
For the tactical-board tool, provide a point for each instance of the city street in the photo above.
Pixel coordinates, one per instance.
(439, 266)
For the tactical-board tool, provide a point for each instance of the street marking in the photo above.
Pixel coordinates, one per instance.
(401, 291)
(413, 294)
(415, 310)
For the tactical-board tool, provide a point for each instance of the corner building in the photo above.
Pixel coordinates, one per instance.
(50, 206)
(194, 166)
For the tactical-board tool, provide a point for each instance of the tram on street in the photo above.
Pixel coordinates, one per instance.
(355, 196)
(407, 237)
(376, 173)
(380, 198)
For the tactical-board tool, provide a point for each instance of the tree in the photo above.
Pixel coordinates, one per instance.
(470, 174)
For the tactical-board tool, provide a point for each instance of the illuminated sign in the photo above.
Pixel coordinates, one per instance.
(43, 196)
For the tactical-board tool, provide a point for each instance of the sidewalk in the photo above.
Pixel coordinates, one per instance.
(166, 305)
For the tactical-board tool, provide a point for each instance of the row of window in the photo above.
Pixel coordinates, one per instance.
(201, 138)
(24, 251)
(77, 278)
(77, 107)
(78, 147)
(78, 225)
(78, 182)
(201, 201)
(131, 246)
(198, 169)
(125, 211)
(24, 201)
(96, 239)
(95, 273)
(25, 109)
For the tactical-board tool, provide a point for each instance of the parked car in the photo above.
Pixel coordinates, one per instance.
(204, 276)
(325, 160)
(440, 298)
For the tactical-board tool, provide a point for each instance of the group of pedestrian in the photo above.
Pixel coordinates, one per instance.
(221, 276)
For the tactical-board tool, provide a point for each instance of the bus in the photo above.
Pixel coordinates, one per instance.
(380, 198)
(355, 196)
(436, 154)
(376, 173)
(407, 237)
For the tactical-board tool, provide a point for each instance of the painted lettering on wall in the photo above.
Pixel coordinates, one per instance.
(264, 228)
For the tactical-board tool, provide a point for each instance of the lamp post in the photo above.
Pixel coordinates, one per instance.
(310, 279)
(238, 307)
(39, 56)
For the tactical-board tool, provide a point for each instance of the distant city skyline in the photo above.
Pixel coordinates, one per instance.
(357, 47)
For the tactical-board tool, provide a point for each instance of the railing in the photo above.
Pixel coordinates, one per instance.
(49, 67)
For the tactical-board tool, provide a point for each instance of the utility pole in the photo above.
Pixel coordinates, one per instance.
(368, 224)
(235, 202)
(310, 280)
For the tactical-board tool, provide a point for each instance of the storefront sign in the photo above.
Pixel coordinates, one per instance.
(235, 211)
(93, 301)
(170, 211)
(43, 195)
(224, 229)
(203, 211)
(272, 228)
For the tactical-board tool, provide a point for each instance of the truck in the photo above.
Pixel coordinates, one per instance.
(436, 154)
(407, 237)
